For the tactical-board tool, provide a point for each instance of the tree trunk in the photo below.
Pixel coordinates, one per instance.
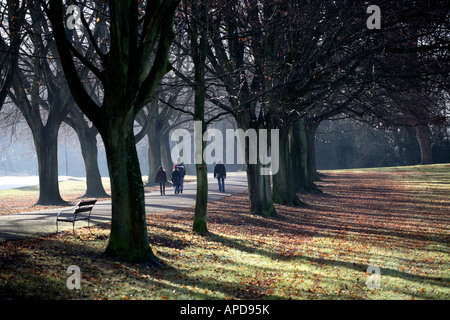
(285, 182)
(311, 138)
(154, 152)
(199, 42)
(260, 195)
(423, 137)
(201, 200)
(46, 143)
(45, 137)
(164, 144)
(128, 238)
(131, 71)
(259, 186)
(302, 138)
(154, 162)
(88, 143)
(89, 151)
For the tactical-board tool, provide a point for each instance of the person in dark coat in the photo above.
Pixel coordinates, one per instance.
(176, 179)
(161, 178)
(182, 169)
(220, 173)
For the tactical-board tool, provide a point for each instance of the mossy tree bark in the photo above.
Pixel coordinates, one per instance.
(128, 238)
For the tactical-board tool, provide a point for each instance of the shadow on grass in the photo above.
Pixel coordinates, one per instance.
(368, 210)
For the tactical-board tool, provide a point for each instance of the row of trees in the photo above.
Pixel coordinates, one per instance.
(129, 69)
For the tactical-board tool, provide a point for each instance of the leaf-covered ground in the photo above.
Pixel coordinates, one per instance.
(395, 219)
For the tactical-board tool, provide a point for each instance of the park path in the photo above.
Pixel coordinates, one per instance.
(38, 223)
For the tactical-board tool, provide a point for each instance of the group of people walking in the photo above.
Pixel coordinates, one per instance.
(178, 173)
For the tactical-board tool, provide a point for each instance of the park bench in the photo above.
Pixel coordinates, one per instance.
(81, 211)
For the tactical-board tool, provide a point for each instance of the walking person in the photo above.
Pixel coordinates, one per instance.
(182, 169)
(161, 178)
(176, 179)
(220, 174)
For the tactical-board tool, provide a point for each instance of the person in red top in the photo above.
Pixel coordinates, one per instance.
(182, 169)
(176, 179)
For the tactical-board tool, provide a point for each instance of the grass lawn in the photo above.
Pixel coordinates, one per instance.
(23, 199)
(396, 219)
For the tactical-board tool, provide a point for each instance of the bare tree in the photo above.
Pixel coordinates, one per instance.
(38, 85)
(136, 59)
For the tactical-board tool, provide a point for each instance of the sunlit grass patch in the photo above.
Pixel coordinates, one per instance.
(23, 199)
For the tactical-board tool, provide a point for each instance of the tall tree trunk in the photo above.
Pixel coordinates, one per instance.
(199, 42)
(154, 161)
(285, 182)
(311, 128)
(423, 137)
(130, 72)
(303, 136)
(87, 136)
(89, 151)
(201, 199)
(46, 143)
(259, 188)
(154, 151)
(166, 157)
(128, 238)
